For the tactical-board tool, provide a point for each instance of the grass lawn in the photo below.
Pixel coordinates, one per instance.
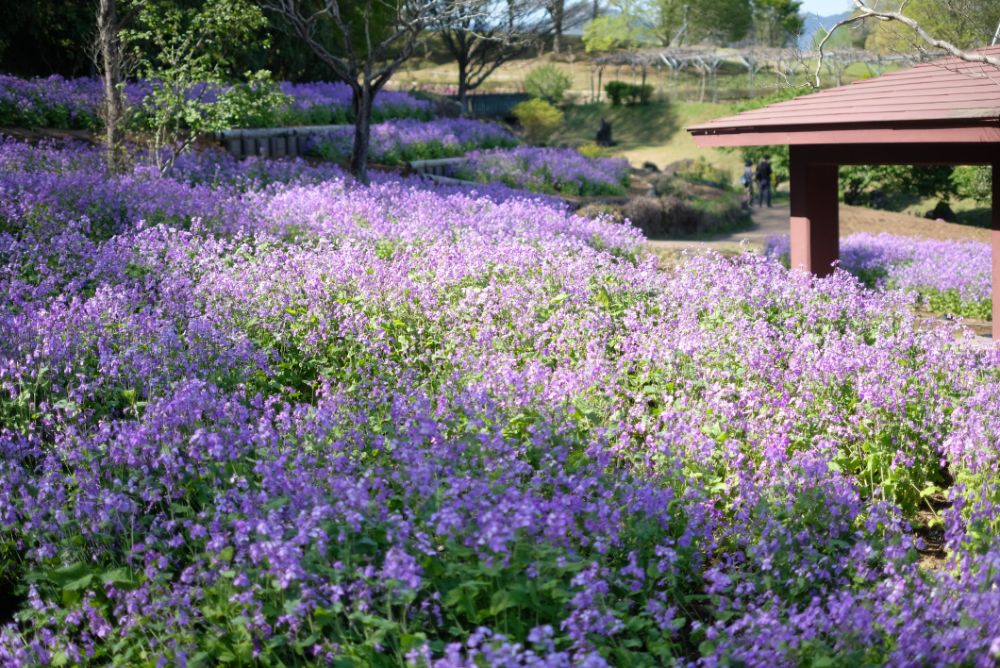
(653, 132)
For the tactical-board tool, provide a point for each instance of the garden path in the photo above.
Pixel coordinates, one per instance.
(766, 222)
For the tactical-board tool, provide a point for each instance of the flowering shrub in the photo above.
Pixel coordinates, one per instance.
(549, 170)
(395, 142)
(311, 422)
(75, 103)
(951, 276)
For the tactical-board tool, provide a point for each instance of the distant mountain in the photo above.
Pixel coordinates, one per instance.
(814, 22)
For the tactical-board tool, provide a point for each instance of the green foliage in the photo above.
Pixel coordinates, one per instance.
(538, 118)
(949, 302)
(777, 22)
(592, 150)
(616, 92)
(968, 24)
(43, 37)
(255, 103)
(191, 53)
(40, 115)
(548, 83)
(719, 21)
(626, 27)
(619, 91)
(973, 182)
(859, 182)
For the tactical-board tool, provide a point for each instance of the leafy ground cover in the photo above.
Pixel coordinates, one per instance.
(398, 141)
(57, 102)
(548, 170)
(254, 413)
(952, 277)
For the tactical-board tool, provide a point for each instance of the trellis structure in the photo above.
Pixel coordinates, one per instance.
(788, 64)
(941, 112)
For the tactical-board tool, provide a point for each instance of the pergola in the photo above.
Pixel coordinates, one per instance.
(941, 112)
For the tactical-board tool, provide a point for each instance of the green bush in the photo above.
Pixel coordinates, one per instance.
(619, 91)
(973, 182)
(538, 118)
(548, 83)
(255, 103)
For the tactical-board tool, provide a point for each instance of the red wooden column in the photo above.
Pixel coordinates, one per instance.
(815, 221)
(995, 238)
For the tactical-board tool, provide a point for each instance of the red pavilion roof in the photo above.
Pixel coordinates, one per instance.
(948, 100)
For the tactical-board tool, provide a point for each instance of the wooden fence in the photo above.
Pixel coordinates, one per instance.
(271, 142)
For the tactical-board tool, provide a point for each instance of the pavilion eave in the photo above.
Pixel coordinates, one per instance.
(816, 135)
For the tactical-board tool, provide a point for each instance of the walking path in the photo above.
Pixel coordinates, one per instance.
(766, 222)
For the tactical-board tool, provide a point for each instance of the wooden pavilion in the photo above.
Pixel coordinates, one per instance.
(941, 112)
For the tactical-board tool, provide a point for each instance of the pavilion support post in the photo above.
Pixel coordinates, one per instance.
(995, 238)
(815, 224)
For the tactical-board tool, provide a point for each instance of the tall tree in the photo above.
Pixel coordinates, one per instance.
(370, 40)
(689, 21)
(626, 26)
(777, 22)
(111, 64)
(482, 35)
(557, 12)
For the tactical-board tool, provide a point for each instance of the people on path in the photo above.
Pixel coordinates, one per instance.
(764, 181)
(747, 181)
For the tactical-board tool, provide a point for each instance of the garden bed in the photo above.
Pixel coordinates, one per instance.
(254, 412)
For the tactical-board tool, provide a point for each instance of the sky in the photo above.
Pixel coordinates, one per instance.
(825, 7)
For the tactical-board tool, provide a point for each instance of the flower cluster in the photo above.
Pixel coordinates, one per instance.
(952, 276)
(75, 103)
(258, 413)
(329, 102)
(52, 102)
(398, 141)
(549, 170)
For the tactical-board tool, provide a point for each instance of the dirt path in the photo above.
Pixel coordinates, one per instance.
(853, 219)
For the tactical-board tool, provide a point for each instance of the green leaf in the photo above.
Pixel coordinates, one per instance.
(502, 600)
(68, 574)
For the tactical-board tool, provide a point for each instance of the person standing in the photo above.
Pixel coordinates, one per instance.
(747, 181)
(764, 181)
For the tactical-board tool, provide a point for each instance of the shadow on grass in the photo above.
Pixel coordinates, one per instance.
(632, 126)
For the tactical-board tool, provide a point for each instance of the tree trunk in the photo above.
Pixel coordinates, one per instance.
(463, 87)
(110, 55)
(557, 24)
(362, 103)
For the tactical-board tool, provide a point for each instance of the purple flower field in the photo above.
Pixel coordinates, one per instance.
(951, 276)
(256, 414)
(75, 103)
(549, 170)
(397, 141)
(330, 102)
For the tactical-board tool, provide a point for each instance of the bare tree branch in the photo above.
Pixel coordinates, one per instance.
(865, 11)
(366, 69)
(482, 35)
